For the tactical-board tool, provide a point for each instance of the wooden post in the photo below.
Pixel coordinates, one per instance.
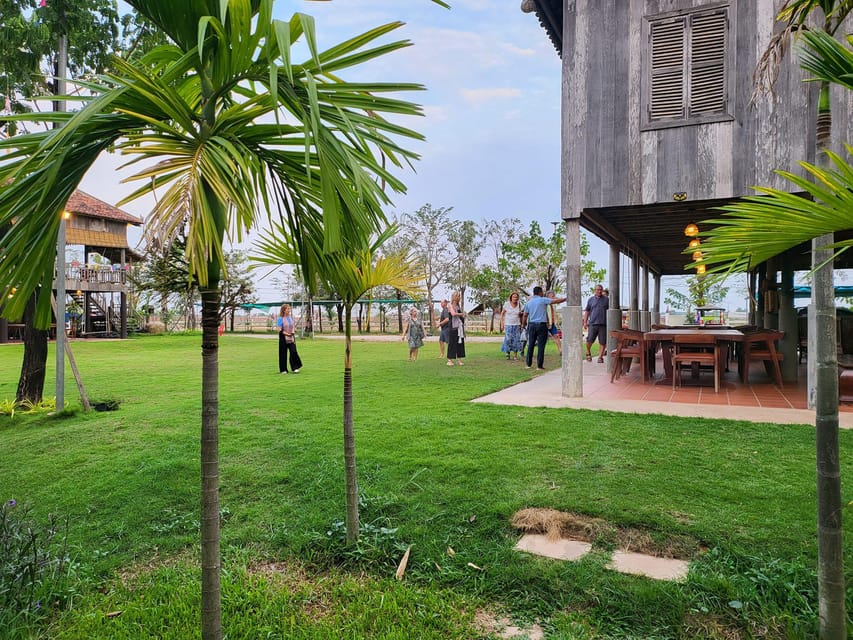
(572, 321)
(634, 309)
(788, 322)
(614, 312)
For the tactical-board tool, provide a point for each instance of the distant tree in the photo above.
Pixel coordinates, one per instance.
(164, 275)
(490, 284)
(464, 241)
(425, 231)
(237, 285)
(399, 244)
(701, 292)
(535, 259)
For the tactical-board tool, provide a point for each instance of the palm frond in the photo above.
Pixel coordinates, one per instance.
(759, 227)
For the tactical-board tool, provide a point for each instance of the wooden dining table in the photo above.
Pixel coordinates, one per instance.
(664, 338)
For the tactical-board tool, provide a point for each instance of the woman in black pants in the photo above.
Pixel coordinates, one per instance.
(287, 341)
(456, 344)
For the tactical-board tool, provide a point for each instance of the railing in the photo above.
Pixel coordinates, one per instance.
(96, 273)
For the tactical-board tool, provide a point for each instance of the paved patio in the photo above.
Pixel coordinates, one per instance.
(758, 401)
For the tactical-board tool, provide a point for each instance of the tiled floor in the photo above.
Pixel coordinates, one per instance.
(760, 392)
(758, 401)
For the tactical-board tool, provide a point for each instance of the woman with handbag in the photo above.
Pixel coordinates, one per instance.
(287, 341)
(456, 345)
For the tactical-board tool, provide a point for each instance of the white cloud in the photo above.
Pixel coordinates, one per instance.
(519, 51)
(436, 113)
(479, 96)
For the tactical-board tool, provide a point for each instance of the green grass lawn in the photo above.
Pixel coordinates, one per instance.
(435, 472)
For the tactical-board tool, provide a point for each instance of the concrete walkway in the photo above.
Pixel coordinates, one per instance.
(545, 390)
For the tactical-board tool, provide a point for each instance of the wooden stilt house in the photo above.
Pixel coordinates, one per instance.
(662, 125)
(98, 259)
(96, 282)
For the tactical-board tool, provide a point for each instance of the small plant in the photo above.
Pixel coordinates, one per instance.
(34, 565)
(377, 546)
(10, 407)
(7, 408)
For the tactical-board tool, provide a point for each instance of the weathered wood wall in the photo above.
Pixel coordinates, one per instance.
(609, 161)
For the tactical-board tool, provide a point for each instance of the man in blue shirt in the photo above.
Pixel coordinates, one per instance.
(535, 319)
(595, 322)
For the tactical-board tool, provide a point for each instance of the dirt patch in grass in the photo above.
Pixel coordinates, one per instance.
(575, 526)
(492, 623)
(699, 625)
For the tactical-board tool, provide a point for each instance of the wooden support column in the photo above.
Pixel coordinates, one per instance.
(656, 300)
(645, 313)
(752, 318)
(771, 296)
(123, 297)
(761, 270)
(572, 314)
(614, 312)
(788, 322)
(634, 308)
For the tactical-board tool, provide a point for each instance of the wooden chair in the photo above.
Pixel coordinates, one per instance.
(761, 345)
(629, 345)
(696, 349)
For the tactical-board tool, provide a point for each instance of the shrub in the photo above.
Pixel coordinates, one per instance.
(34, 565)
(155, 326)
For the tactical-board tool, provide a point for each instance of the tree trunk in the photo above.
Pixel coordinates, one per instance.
(431, 310)
(34, 365)
(349, 438)
(830, 554)
(211, 607)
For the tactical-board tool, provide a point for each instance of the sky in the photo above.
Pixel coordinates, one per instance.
(492, 110)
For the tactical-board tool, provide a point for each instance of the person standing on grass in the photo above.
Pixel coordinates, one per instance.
(535, 319)
(443, 325)
(511, 326)
(413, 332)
(595, 322)
(456, 343)
(553, 329)
(287, 341)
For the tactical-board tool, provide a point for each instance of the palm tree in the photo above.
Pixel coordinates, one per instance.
(224, 123)
(760, 227)
(349, 273)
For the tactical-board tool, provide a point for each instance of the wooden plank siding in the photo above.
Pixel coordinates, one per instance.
(609, 160)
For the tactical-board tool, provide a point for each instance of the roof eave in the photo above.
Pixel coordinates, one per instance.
(550, 15)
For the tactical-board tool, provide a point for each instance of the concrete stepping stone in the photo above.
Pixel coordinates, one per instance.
(560, 549)
(640, 564)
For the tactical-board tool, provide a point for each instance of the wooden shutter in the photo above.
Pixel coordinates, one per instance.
(667, 66)
(707, 73)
